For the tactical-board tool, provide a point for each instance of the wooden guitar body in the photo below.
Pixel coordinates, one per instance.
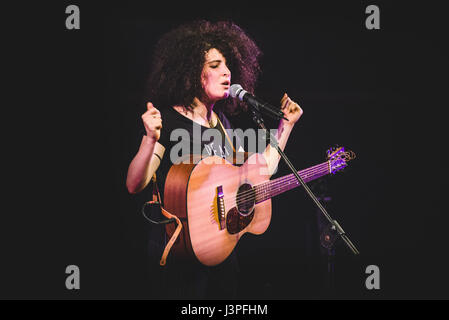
(192, 193)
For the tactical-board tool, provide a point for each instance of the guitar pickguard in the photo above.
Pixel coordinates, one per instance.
(235, 222)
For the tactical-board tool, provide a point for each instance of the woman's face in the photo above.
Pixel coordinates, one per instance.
(216, 77)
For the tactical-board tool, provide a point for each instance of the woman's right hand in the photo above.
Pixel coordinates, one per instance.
(153, 122)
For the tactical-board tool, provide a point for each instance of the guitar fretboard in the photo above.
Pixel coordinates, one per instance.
(269, 189)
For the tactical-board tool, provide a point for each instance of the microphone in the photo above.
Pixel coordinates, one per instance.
(236, 91)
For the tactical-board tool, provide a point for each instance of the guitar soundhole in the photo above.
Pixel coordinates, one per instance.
(239, 217)
(245, 199)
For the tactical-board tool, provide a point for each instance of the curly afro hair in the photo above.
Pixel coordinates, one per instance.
(179, 57)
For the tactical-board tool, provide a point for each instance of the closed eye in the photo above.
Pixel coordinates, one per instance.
(214, 63)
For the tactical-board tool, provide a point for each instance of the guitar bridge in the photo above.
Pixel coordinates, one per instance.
(221, 208)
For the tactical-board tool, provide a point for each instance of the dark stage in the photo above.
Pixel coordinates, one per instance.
(380, 93)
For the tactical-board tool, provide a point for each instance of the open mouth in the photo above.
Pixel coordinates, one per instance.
(226, 83)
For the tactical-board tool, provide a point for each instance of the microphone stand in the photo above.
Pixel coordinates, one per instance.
(335, 226)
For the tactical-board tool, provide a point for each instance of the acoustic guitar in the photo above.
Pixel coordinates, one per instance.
(218, 202)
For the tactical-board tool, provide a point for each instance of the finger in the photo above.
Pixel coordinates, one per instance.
(154, 121)
(296, 108)
(150, 106)
(286, 103)
(150, 119)
(293, 106)
(155, 112)
(154, 116)
(157, 121)
(152, 113)
(284, 97)
(283, 103)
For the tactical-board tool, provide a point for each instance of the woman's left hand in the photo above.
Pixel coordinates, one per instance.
(292, 111)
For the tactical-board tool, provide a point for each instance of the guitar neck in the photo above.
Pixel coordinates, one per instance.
(269, 189)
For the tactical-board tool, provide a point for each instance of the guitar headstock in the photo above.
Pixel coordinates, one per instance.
(338, 158)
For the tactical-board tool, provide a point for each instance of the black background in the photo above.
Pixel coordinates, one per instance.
(77, 97)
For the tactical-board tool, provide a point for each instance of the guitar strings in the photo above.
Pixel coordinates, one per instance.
(283, 185)
(274, 185)
(278, 187)
(258, 197)
(307, 173)
(271, 185)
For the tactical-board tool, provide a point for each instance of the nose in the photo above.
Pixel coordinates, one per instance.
(226, 71)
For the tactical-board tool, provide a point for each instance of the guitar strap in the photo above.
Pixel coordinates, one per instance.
(157, 199)
(226, 134)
